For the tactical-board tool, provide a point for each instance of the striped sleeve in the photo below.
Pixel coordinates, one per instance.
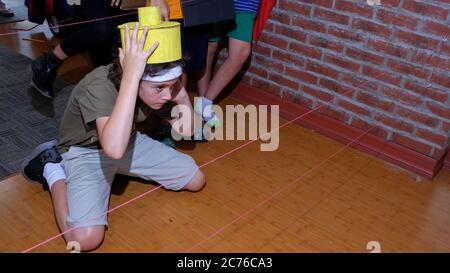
(247, 5)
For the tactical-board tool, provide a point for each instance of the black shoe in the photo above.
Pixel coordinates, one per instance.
(6, 12)
(163, 134)
(169, 142)
(33, 165)
(44, 73)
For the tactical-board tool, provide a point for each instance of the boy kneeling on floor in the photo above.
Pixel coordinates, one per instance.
(98, 140)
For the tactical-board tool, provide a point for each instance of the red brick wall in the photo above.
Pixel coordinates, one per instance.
(384, 66)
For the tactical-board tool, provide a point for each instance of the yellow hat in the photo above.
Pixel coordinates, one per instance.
(166, 33)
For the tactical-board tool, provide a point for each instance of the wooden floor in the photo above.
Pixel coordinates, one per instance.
(254, 201)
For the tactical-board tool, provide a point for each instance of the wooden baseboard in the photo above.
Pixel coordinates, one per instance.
(447, 162)
(393, 153)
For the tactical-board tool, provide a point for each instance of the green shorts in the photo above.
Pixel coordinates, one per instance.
(240, 29)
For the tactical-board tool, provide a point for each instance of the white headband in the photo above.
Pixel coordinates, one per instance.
(171, 74)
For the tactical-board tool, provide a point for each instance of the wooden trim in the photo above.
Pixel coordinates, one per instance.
(393, 153)
(447, 162)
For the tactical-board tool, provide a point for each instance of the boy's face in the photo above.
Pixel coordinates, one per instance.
(156, 94)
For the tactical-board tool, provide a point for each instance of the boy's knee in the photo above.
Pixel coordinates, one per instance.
(241, 55)
(212, 48)
(89, 238)
(197, 182)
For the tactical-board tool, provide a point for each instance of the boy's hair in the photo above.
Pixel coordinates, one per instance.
(152, 70)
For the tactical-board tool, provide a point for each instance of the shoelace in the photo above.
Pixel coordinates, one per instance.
(49, 156)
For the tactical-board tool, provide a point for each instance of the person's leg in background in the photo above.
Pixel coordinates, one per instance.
(90, 36)
(5, 11)
(103, 53)
(204, 81)
(239, 49)
(194, 41)
(238, 52)
(195, 48)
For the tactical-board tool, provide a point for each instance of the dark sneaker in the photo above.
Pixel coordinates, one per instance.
(44, 73)
(33, 165)
(169, 142)
(163, 134)
(6, 12)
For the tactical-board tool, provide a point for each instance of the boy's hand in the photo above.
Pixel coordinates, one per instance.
(134, 59)
(162, 4)
(115, 2)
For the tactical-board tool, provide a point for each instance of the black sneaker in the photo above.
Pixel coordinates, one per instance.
(6, 12)
(44, 73)
(163, 134)
(33, 165)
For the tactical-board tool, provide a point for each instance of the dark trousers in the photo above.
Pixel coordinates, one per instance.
(101, 36)
(194, 43)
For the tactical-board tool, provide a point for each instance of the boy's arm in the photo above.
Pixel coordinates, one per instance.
(164, 7)
(114, 131)
(183, 125)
